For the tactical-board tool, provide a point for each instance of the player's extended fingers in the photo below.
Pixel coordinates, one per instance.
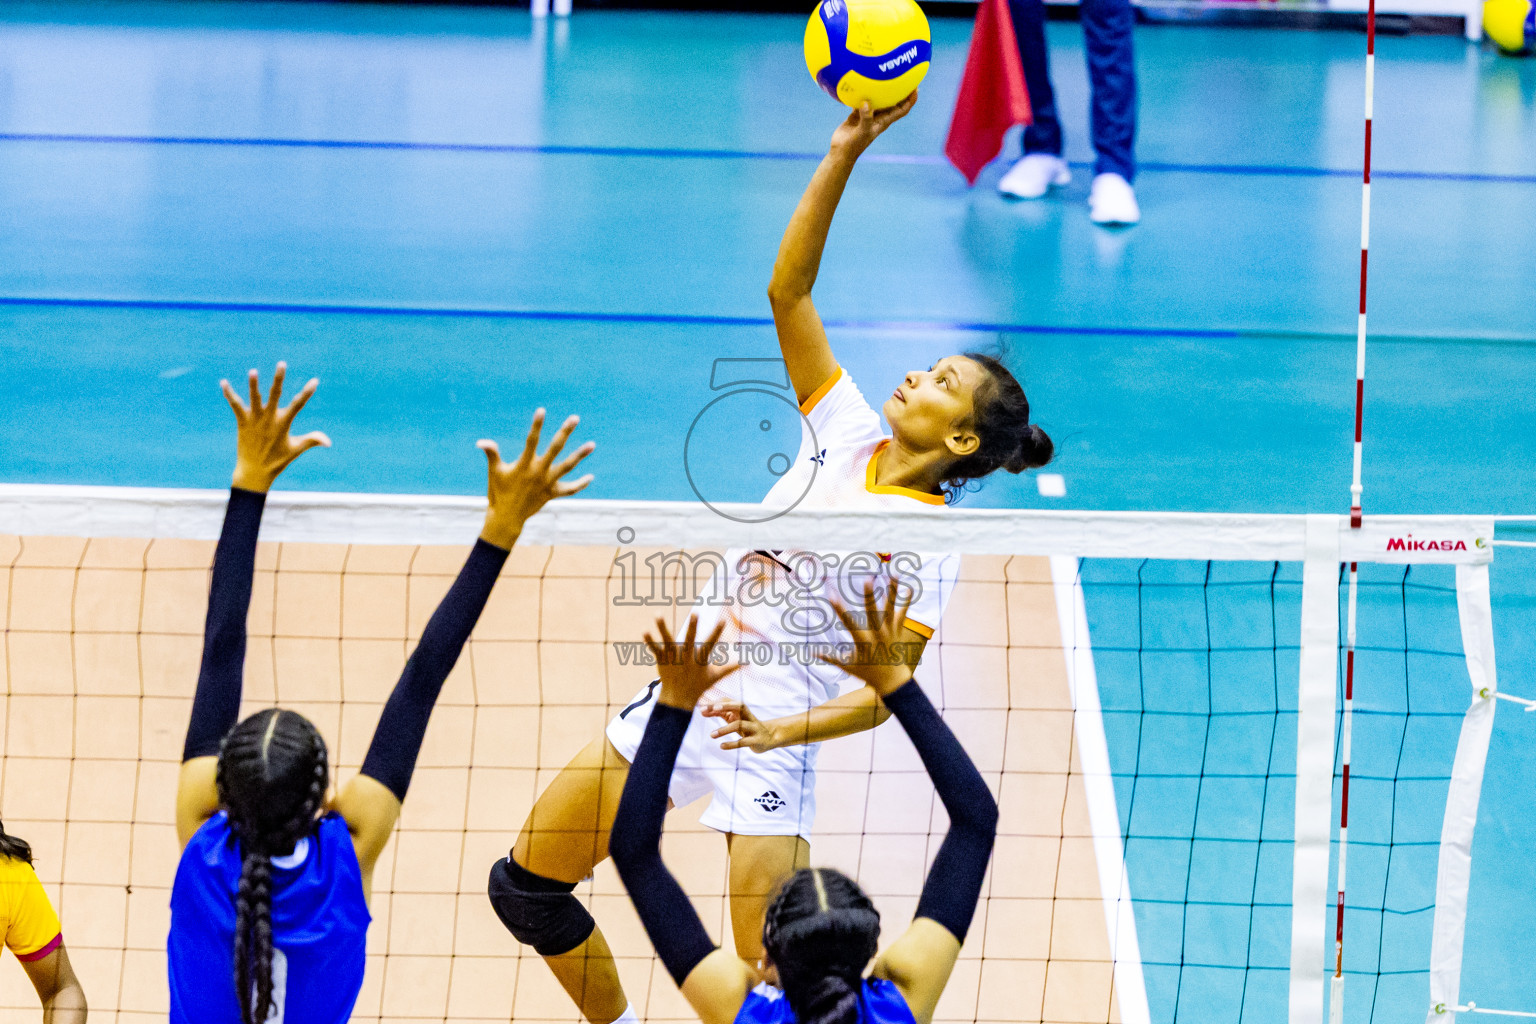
(275, 399)
(253, 381)
(901, 602)
(565, 490)
(745, 741)
(492, 453)
(707, 648)
(890, 115)
(844, 616)
(531, 445)
(835, 661)
(300, 400)
(557, 443)
(692, 632)
(728, 710)
(234, 401)
(313, 439)
(570, 462)
(666, 634)
(726, 730)
(891, 609)
(658, 651)
(871, 610)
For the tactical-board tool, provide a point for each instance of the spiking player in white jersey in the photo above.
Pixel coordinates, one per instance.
(959, 420)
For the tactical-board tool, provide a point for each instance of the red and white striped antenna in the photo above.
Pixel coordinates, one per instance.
(1336, 1000)
(1355, 487)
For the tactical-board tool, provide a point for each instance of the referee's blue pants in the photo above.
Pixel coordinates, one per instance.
(1107, 31)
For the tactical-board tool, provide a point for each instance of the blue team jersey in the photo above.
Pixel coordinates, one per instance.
(880, 1003)
(319, 928)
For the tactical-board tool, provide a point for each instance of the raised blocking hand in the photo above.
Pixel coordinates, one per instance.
(880, 658)
(516, 490)
(687, 669)
(264, 449)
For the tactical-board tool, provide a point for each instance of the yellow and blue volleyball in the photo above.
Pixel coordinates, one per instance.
(1511, 24)
(868, 51)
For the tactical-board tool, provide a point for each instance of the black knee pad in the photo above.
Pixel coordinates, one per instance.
(539, 912)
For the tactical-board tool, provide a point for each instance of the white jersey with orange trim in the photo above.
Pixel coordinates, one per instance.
(781, 600)
(779, 612)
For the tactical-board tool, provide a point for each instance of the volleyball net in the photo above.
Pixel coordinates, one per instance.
(1155, 699)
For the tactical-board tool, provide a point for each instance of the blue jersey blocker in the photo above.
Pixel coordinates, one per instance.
(880, 1002)
(319, 928)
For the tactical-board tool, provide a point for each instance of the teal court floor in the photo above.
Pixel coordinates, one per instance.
(452, 216)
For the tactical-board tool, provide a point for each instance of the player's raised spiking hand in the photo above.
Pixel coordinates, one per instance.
(516, 490)
(863, 126)
(264, 448)
(688, 669)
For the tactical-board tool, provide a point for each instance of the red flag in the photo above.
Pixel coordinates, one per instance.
(993, 97)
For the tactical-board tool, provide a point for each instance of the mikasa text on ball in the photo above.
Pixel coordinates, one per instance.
(868, 51)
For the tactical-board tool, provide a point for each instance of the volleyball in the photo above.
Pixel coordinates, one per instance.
(868, 51)
(1511, 24)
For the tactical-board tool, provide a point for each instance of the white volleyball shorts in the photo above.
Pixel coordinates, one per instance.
(769, 794)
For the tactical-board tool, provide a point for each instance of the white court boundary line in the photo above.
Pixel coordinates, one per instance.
(1099, 788)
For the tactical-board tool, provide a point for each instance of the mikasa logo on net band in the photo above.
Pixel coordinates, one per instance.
(1410, 543)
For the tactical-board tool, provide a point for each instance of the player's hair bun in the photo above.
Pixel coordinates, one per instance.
(1034, 450)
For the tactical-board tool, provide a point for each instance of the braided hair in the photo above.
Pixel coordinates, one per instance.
(1008, 440)
(820, 932)
(272, 778)
(14, 848)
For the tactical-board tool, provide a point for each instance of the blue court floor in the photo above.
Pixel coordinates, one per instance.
(452, 216)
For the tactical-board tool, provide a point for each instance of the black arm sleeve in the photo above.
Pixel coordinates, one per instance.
(216, 707)
(397, 740)
(635, 845)
(954, 882)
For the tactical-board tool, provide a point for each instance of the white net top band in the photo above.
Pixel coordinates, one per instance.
(49, 510)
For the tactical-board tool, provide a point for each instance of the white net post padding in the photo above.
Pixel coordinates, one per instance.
(1455, 867)
(1314, 767)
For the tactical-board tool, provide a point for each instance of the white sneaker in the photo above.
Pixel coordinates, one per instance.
(1112, 201)
(1032, 176)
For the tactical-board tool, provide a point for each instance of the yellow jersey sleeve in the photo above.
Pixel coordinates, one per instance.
(30, 926)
